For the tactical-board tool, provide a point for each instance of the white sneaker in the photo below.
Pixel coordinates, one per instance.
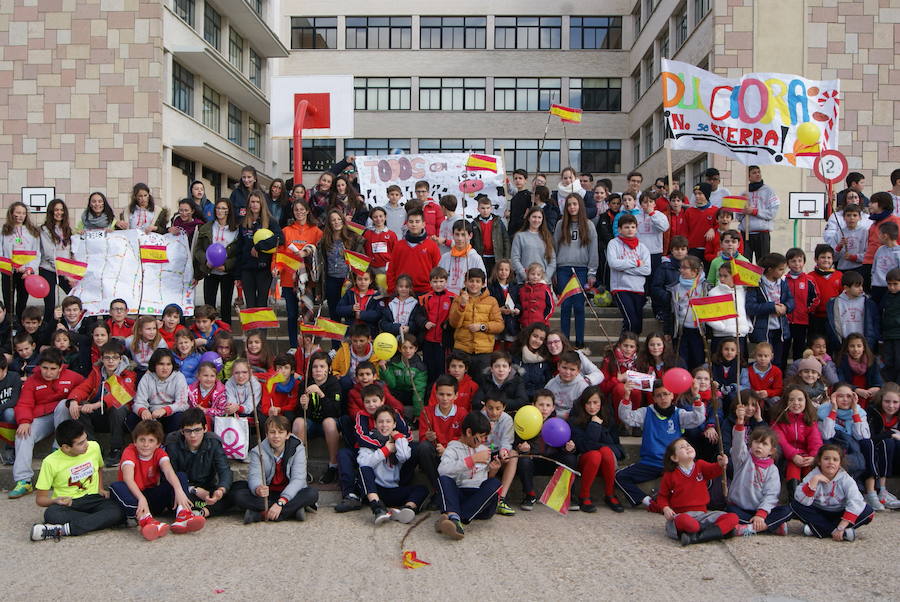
(42, 531)
(873, 501)
(403, 515)
(889, 500)
(849, 534)
(808, 531)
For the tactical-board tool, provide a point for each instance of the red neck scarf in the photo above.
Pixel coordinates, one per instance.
(631, 243)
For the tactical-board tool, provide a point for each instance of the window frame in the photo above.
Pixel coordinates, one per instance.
(578, 30)
(396, 28)
(182, 89)
(233, 37)
(522, 149)
(319, 28)
(254, 137)
(185, 10)
(449, 145)
(238, 138)
(531, 30)
(371, 148)
(609, 96)
(212, 26)
(429, 29)
(523, 94)
(472, 97)
(255, 68)
(317, 148)
(393, 96)
(212, 108)
(608, 148)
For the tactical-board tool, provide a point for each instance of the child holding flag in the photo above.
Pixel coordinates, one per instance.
(299, 242)
(21, 244)
(576, 253)
(769, 304)
(362, 302)
(379, 245)
(333, 268)
(724, 327)
(729, 245)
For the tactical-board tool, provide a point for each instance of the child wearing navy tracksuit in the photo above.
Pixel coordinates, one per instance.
(769, 304)
(629, 264)
(662, 424)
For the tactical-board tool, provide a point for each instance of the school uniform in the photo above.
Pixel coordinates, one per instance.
(756, 485)
(822, 508)
(767, 325)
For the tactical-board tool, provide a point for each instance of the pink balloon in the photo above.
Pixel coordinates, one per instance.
(37, 286)
(677, 380)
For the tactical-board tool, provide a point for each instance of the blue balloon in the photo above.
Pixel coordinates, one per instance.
(556, 432)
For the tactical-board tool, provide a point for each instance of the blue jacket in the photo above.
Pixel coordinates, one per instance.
(636, 211)
(871, 328)
(873, 374)
(759, 308)
(665, 276)
(188, 366)
(371, 314)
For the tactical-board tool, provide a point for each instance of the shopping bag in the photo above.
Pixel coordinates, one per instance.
(235, 435)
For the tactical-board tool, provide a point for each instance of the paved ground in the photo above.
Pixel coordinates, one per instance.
(540, 555)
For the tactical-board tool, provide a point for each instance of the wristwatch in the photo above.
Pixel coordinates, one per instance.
(483, 327)
(281, 503)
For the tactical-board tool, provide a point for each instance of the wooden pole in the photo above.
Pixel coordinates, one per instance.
(669, 166)
(543, 139)
(589, 304)
(262, 467)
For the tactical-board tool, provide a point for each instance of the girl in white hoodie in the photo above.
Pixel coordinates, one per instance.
(726, 328)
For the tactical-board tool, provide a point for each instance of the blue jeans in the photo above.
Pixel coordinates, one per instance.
(576, 302)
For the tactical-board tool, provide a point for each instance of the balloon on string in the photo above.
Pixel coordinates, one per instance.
(37, 286)
(677, 380)
(556, 432)
(214, 358)
(216, 255)
(384, 346)
(528, 422)
(264, 234)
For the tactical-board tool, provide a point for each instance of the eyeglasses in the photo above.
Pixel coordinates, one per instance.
(193, 431)
(111, 358)
(661, 186)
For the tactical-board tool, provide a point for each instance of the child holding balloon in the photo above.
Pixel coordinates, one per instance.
(216, 249)
(259, 236)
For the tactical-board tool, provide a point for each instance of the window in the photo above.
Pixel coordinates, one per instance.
(681, 28)
(595, 94)
(313, 32)
(452, 32)
(375, 146)
(701, 7)
(636, 149)
(595, 33)
(185, 10)
(648, 66)
(379, 32)
(215, 180)
(211, 103)
(451, 93)
(647, 132)
(664, 45)
(451, 145)
(527, 32)
(212, 26)
(318, 154)
(255, 69)
(663, 132)
(636, 15)
(382, 93)
(596, 156)
(236, 49)
(699, 168)
(235, 119)
(525, 93)
(182, 89)
(256, 5)
(636, 81)
(524, 154)
(254, 138)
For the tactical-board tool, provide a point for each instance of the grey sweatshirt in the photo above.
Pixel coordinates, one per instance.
(751, 488)
(571, 253)
(849, 315)
(502, 432)
(396, 217)
(886, 259)
(247, 395)
(295, 469)
(528, 248)
(841, 493)
(565, 394)
(457, 463)
(629, 268)
(154, 394)
(50, 251)
(387, 473)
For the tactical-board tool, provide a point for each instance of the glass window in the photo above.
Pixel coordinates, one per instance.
(451, 145)
(636, 81)
(525, 93)
(379, 32)
(382, 93)
(235, 120)
(185, 10)
(699, 167)
(182, 89)
(681, 27)
(451, 93)
(318, 154)
(638, 24)
(664, 45)
(595, 94)
(236, 49)
(452, 32)
(527, 32)
(313, 32)
(254, 137)
(636, 149)
(648, 66)
(662, 133)
(647, 133)
(701, 7)
(524, 154)
(596, 156)
(255, 69)
(212, 26)
(211, 103)
(375, 146)
(595, 33)
(256, 5)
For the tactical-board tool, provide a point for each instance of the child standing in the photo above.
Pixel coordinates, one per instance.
(491, 240)
(434, 322)
(502, 286)
(596, 440)
(827, 281)
(762, 376)
(852, 312)
(396, 214)
(576, 253)
(361, 304)
(536, 298)
(380, 241)
(665, 277)
(726, 328)
(444, 237)
(701, 221)
(769, 304)
(724, 220)
(887, 258)
(439, 424)
(461, 258)
(677, 223)
(729, 244)
(849, 241)
(402, 313)
(20, 239)
(890, 327)
(321, 404)
(806, 299)
(533, 244)
(501, 442)
(651, 225)
(476, 317)
(688, 331)
(629, 263)
(416, 255)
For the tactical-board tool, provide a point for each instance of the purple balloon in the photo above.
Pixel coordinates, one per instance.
(216, 255)
(214, 358)
(556, 432)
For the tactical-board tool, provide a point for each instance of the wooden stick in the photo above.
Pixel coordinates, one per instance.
(543, 139)
(737, 335)
(591, 305)
(669, 165)
(262, 467)
(560, 464)
(714, 404)
(418, 522)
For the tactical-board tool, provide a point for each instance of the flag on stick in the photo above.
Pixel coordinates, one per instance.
(71, 268)
(8, 432)
(357, 262)
(287, 261)
(736, 203)
(481, 163)
(119, 393)
(154, 254)
(745, 272)
(556, 494)
(573, 287)
(567, 114)
(21, 256)
(311, 330)
(276, 379)
(258, 317)
(412, 561)
(331, 329)
(5, 266)
(715, 308)
(356, 228)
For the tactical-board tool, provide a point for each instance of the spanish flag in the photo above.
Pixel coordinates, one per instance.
(287, 261)
(745, 272)
(21, 256)
(8, 432)
(481, 163)
(311, 330)
(573, 287)
(5, 266)
(566, 114)
(556, 494)
(119, 394)
(154, 254)
(357, 262)
(412, 561)
(331, 329)
(258, 317)
(356, 228)
(276, 379)
(735, 203)
(713, 309)
(71, 268)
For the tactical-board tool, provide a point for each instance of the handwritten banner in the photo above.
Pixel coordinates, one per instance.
(464, 175)
(759, 119)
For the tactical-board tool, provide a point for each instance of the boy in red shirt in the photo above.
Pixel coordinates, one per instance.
(806, 300)
(676, 213)
(171, 323)
(439, 425)
(432, 213)
(458, 367)
(436, 306)
(119, 323)
(280, 393)
(724, 218)
(762, 377)
(380, 243)
(701, 221)
(416, 255)
(141, 491)
(827, 281)
(365, 376)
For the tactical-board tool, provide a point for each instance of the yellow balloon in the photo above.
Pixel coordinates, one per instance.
(808, 133)
(263, 234)
(384, 346)
(528, 422)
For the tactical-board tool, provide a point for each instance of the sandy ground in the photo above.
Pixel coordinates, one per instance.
(540, 555)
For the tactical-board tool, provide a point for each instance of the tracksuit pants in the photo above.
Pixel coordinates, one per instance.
(775, 518)
(823, 522)
(627, 480)
(159, 497)
(691, 348)
(86, 513)
(631, 306)
(882, 456)
(470, 503)
(392, 496)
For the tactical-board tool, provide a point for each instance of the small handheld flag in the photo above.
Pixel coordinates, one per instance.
(311, 330)
(287, 261)
(745, 273)
(21, 256)
(356, 228)
(715, 308)
(736, 203)
(567, 114)
(278, 378)
(331, 329)
(71, 268)
(572, 288)
(5, 266)
(8, 432)
(481, 163)
(357, 262)
(258, 317)
(412, 561)
(556, 494)
(119, 394)
(154, 254)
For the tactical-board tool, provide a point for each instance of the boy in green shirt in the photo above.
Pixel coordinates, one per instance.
(731, 240)
(70, 487)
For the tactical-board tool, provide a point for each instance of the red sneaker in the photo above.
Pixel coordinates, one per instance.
(153, 529)
(186, 522)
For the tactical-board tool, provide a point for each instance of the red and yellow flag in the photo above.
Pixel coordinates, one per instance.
(357, 262)
(21, 256)
(276, 379)
(713, 309)
(119, 393)
(412, 561)
(573, 287)
(735, 203)
(556, 494)
(6, 266)
(8, 432)
(356, 228)
(154, 254)
(745, 272)
(567, 114)
(258, 317)
(311, 330)
(331, 329)
(287, 261)
(71, 268)
(481, 163)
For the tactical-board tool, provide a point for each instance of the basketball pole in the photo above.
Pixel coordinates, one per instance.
(303, 109)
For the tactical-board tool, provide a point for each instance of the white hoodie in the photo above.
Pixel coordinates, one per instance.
(725, 328)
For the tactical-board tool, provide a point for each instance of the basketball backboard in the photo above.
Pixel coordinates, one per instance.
(331, 96)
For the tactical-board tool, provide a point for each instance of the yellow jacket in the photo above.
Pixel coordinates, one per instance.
(479, 310)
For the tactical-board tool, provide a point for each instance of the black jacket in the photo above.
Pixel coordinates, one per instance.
(207, 468)
(512, 391)
(518, 205)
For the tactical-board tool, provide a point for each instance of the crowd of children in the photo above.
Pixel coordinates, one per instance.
(791, 412)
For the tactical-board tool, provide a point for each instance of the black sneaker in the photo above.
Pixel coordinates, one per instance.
(380, 513)
(112, 459)
(613, 503)
(329, 476)
(587, 505)
(348, 504)
(300, 514)
(528, 503)
(252, 516)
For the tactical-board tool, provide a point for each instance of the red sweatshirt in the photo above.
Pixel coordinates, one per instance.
(464, 395)
(770, 382)
(828, 286)
(687, 492)
(677, 227)
(416, 261)
(124, 331)
(437, 310)
(87, 389)
(355, 404)
(698, 222)
(283, 401)
(40, 397)
(806, 299)
(434, 217)
(379, 246)
(169, 337)
(446, 429)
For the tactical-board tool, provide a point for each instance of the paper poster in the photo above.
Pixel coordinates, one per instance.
(759, 119)
(639, 380)
(115, 271)
(464, 175)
